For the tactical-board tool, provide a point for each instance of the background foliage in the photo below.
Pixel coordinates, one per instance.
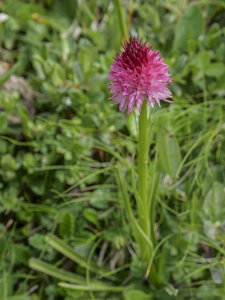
(61, 139)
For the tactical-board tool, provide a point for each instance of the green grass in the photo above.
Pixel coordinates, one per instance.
(61, 146)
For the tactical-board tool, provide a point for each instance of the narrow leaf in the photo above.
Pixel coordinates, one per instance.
(91, 287)
(121, 18)
(67, 225)
(169, 153)
(66, 250)
(48, 269)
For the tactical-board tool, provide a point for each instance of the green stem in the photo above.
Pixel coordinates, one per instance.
(145, 203)
(143, 149)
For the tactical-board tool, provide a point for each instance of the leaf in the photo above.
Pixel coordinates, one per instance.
(214, 204)
(92, 287)
(37, 241)
(171, 290)
(38, 63)
(67, 225)
(61, 274)
(217, 274)
(215, 69)
(132, 124)
(92, 216)
(57, 75)
(210, 229)
(169, 153)
(136, 295)
(119, 12)
(189, 26)
(21, 253)
(85, 58)
(97, 199)
(66, 250)
(203, 59)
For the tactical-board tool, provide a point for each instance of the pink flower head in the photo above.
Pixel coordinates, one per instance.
(138, 74)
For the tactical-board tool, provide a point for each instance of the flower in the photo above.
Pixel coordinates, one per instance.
(3, 17)
(138, 74)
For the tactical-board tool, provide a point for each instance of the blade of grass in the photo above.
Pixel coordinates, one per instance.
(91, 287)
(208, 266)
(51, 270)
(189, 152)
(85, 179)
(66, 250)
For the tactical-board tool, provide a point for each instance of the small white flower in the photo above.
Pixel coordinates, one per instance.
(3, 17)
(68, 101)
(68, 134)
